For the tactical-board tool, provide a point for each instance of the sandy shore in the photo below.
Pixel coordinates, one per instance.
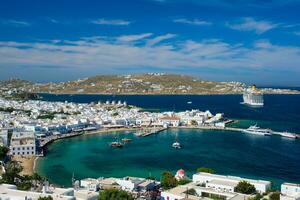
(103, 131)
(27, 163)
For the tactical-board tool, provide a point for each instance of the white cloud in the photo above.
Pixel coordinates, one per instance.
(103, 53)
(196, 22)
(15, 23)
(54, 21)
(297, 33)
(250, 24)
(160, 38)
(115, 22)
(130, 38)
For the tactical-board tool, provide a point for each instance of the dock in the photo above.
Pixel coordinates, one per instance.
(275, 133)
(149, 131)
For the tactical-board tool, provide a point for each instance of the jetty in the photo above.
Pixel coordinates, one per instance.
(275, 133)
(149, 131)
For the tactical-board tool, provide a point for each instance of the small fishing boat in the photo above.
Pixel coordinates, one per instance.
(189, 102)
(126, 140)
(116, 144)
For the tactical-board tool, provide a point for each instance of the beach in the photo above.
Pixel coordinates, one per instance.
(27, 163)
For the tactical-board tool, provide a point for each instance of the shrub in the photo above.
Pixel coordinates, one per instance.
(245, 188)
(205, 169)
(115, 194)
(168, 181)
(275, 196)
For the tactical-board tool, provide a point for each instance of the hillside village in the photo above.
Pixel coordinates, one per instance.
(150, 83)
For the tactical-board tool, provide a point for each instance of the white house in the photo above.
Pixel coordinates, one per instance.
(228, 183)
(10, 192)
(3, 137)
(23, 143)
(173, 121)
(290, 191)
(130, 183)
(90, 184)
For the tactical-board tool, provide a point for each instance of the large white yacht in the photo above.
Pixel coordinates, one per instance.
(255, 130)
(253, 97)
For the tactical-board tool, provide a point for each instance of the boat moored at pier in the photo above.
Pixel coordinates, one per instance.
(255, 130)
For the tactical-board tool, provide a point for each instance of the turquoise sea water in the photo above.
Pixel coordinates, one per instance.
(270, 158)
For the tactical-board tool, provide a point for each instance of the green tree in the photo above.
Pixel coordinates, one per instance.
(275, 196)
(45, 198)
(168, 180)
(183, 181)
(3, 151)
(12, 172)
(245, 188)
(115, 194)
(205, 169)
(258, 196)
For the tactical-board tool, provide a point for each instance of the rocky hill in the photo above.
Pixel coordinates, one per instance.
(151, 83)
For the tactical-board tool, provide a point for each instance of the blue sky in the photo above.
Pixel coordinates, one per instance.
(253, 41)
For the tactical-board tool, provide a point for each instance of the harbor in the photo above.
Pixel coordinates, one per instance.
(209, 147)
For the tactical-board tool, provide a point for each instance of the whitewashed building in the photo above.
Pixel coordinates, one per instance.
(290, 191)
(3, 137)
(23, 143)
(228, 183)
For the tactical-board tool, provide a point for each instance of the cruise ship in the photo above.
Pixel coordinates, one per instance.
(255, 130)
(253, 97)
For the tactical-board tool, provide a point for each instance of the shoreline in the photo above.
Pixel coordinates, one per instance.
(162, 94)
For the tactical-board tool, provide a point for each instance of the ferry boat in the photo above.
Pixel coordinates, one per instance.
(255, 130)
(253, 97)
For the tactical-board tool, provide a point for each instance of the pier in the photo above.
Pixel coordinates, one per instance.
(149, 131)
(275, 133)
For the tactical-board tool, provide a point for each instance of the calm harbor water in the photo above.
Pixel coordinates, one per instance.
(270, 158)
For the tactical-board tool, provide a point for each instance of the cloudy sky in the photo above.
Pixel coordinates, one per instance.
(253, 41)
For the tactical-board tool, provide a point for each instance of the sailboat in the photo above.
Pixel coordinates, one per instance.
(116, 143)
(176, 144)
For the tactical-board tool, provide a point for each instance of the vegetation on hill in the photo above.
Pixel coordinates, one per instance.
(141, 84)
(150, 83)
(115, 194)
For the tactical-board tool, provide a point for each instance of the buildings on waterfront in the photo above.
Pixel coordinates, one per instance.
(202, 186)
(23, 143)
(35, 122)
(205, 185)
(10, 192)
(290, 191)
(228, 183)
